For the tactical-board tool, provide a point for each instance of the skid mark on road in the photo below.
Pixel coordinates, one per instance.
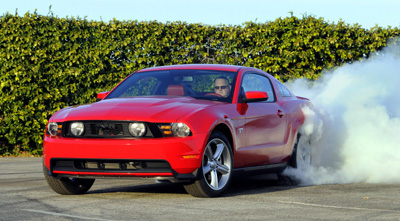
(337, 207)
(61, 214)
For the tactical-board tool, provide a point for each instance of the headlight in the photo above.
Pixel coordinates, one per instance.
(77, 128)
(137, 129)
(180, 130)
(54, 129)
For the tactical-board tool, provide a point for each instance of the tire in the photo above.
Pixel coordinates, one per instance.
(68, 186)
(301, 156)
(215, 173)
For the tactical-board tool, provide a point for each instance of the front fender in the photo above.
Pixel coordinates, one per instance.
(207, 120)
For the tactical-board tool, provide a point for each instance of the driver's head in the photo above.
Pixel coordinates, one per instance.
(222, 87)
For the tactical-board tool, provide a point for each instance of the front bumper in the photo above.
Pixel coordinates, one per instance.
(177, 158)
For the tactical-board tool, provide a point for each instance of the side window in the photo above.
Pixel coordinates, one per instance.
(256, 82)
(283, 90)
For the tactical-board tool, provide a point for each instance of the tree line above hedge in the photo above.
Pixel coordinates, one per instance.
(47, 63)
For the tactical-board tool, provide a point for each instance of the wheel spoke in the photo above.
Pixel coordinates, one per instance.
(223, 169)
(208, 153)
(218, 151)
(207, 169)
(214, 179)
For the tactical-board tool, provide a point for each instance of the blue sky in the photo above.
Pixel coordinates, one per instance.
(367, 13)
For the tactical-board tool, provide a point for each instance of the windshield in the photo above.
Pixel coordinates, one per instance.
(199, 84)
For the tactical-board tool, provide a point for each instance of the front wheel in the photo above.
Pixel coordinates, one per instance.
(68, 186)
(215, 172)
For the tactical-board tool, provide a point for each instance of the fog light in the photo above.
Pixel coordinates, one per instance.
(137, 129)
(77, 128)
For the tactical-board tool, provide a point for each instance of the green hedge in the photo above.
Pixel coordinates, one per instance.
(47, 63)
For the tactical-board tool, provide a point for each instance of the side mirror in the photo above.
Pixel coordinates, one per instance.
(254, 96)
(102, 95)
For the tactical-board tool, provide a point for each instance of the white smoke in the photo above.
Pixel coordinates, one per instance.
(354, 126)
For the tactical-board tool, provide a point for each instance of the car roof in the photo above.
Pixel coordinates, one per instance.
(214, 67)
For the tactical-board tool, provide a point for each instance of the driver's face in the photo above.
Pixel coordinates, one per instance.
(222, 87)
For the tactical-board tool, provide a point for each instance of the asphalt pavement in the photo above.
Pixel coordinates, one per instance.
(24, 195)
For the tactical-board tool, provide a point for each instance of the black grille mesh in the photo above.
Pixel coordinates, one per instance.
(111, 129)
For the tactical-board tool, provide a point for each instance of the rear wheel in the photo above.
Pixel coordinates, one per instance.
(215, 173)
(68, 186)
(301, 156)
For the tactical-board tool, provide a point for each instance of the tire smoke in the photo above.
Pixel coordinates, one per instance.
(354, 127)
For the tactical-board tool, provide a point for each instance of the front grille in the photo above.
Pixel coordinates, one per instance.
(110, 129)
(112, 166)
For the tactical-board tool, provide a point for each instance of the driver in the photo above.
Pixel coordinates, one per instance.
(222, 87)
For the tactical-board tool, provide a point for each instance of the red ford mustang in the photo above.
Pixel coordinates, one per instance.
(195, 124)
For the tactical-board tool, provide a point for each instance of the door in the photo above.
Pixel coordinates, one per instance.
(265, 123)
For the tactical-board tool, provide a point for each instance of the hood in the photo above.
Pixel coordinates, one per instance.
(149, 109)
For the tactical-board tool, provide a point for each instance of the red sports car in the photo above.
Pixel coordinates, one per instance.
(195, 124)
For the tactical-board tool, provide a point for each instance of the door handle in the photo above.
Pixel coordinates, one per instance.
(280, 113)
